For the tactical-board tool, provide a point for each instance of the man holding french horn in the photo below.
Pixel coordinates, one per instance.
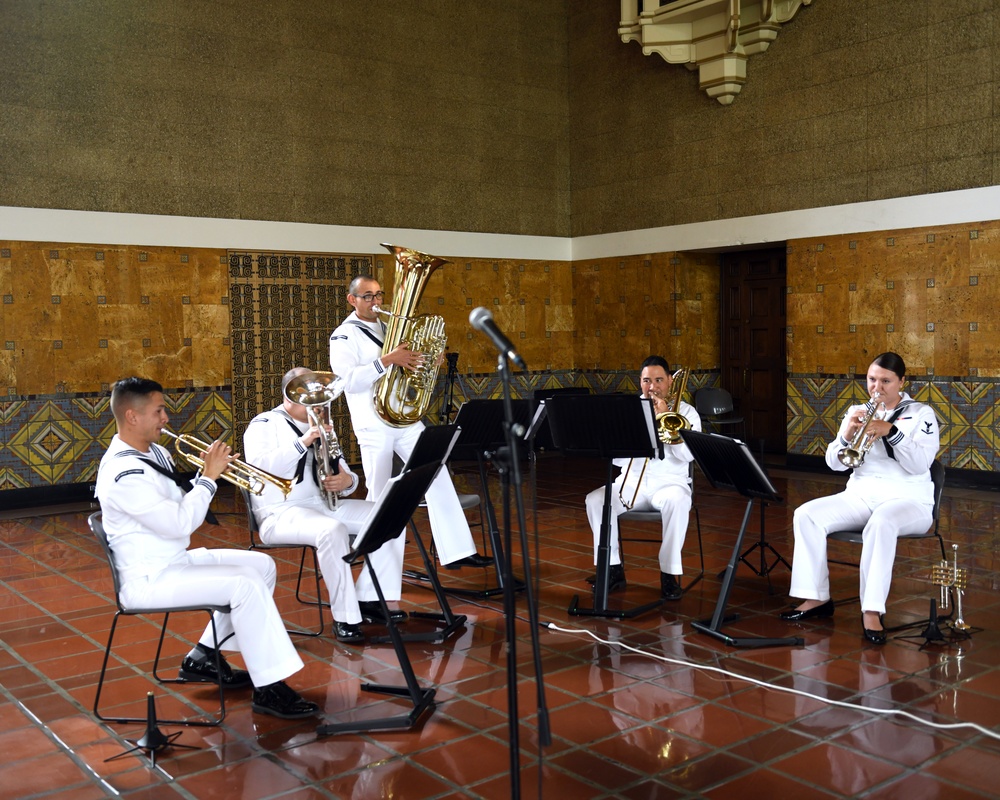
(655, 484)
(889, 443)
(285, 441)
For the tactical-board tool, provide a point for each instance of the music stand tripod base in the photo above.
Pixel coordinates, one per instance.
(612, 613)
(387, 520)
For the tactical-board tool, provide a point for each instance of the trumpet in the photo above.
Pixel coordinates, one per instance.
(853, 455)
(239, 473)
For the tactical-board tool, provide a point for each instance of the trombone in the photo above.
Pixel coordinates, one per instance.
(239, 473)
(669, 424)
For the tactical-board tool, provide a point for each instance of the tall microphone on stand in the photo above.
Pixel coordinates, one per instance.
(482, 320)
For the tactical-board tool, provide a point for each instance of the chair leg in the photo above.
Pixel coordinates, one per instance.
(701, 555)
(209, 723)
(318, 602)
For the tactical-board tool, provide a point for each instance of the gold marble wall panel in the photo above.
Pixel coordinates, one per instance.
(605, 314)
(930, 294)
(531, 301)
(78, 317)
(665, 304)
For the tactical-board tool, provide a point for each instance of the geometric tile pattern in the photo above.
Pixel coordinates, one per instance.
(59, 440)
(967, 411)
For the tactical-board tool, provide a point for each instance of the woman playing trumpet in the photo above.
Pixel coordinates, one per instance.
(889, 493)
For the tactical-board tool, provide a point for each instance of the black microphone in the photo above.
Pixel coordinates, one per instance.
(482, 320)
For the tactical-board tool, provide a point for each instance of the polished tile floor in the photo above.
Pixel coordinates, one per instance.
(638, 708)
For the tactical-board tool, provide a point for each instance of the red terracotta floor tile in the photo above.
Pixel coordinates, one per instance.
(633, 716)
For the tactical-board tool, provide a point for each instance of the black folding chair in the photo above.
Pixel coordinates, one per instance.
(98, 528)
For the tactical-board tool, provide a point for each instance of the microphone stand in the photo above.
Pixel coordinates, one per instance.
(508, 464)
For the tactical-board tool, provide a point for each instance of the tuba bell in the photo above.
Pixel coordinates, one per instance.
(401, 397)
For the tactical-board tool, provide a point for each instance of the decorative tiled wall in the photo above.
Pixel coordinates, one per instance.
(218, 329)
(929, 294)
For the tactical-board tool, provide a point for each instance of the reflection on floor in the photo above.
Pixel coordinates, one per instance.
(649, 714)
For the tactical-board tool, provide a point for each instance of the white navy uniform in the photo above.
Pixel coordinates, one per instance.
(665, 487)
(355, 357)
(887, 495)
(273, 442)
(149, 521)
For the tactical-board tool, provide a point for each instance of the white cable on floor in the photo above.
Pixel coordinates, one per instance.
(853, 706)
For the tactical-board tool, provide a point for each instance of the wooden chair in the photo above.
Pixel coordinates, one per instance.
(96, 525)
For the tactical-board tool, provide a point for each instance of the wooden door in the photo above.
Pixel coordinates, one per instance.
(753, 343)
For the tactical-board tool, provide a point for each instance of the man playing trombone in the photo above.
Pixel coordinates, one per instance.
(149, 518)
(284, 441)
(656, 484)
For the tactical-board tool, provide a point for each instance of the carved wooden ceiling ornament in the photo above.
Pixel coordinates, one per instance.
(714, 36)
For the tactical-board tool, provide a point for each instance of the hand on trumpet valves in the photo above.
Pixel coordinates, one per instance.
(218, 456)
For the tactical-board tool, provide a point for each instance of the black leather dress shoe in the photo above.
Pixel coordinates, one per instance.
(875, 637)
(371, 613)
(670, 587)
(616, 579)
(204, 672)
(822, 610)
(280, 700)
(475, 560)
(347, 633)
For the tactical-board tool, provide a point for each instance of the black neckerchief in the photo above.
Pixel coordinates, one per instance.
(300, 467)
(182, 479)
(892, 418)
(364, 329)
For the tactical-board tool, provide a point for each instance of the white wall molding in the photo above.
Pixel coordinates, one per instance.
(83, 227)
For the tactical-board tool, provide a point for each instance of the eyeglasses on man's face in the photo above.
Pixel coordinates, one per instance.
(370, 296)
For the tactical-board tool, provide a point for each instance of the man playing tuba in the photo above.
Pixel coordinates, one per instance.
(656, 484)
(356, 357)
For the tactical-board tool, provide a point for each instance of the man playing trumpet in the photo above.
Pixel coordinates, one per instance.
(659, 484)
(281, 441)
(149, 518)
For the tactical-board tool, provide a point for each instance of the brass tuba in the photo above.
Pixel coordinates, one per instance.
(401, 397)
(316, 391)
(671, 422)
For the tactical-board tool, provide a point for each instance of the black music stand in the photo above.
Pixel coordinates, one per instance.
(482, 434)
(433, 447)
(608, 426)
(728, 464)
(392, 511)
